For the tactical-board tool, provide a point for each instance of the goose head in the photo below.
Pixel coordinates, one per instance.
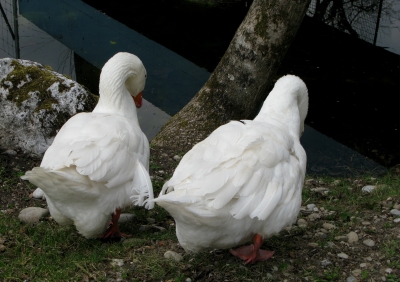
(122, 78)
(287, 103)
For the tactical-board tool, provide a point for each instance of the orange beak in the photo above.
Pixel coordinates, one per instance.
(138, 100)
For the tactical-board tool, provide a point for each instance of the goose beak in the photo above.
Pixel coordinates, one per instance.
(138, 100)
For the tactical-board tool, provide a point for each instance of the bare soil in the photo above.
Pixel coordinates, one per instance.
(301, 254)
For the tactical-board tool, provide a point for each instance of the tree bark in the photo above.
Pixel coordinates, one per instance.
(239, 84)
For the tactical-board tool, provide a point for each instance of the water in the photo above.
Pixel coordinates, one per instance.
(389, 33)
(48, 27)
(172, 81)
(37, 45)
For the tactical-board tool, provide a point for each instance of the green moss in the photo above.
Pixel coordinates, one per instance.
(46, 104)
(183, 123)
(40, 80)
(67, 76)
(48, 68)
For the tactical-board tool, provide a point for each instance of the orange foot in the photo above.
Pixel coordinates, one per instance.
(113, 229)
(252, 253)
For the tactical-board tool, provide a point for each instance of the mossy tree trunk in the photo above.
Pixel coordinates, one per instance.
(237, 87)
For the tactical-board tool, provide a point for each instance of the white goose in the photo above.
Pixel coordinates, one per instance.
(99, 161)
(245, 180)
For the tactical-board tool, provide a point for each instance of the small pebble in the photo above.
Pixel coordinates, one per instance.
(366, 223)
(328, 226)
(395, 212)
(313, 216)
(343, 256)
(173, 255)
(362, 265)
(310, 181)
(351, 279)
(310, 207)
(388, 270)
(396, 220)
(397, 207)
(32, 214)
(2, 247)
(325, 262)
(10, 152)
(39, 194)
(352, 237)
(369, 242)
(177, 158)
(117, 262)
(330, 244)
(320, 190)
(302, 223)
(368, 188)
(356, 272)
(313, 245)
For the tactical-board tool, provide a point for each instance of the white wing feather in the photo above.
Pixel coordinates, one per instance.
(143, 189)
(240, 166)
(101, 148)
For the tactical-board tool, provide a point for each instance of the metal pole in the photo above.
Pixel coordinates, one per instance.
(377, 22)
(16, 41)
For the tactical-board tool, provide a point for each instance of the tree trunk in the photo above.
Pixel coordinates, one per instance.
(239, 84)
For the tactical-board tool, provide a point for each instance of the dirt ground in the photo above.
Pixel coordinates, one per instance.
(318, 252)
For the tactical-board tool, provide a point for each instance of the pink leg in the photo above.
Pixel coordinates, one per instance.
(113, 229)
(252, 253)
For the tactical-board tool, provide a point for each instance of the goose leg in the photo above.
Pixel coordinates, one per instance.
(113, 229)
(252, 253)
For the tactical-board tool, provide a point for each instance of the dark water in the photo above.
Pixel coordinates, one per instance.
(352, 84)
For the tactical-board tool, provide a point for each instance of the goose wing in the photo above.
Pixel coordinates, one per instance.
(105, 148)
(247, 167)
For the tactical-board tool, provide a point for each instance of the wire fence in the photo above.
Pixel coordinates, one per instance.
(9, 28)
(360, 18)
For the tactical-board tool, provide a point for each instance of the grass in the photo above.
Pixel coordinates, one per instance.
(46, 251)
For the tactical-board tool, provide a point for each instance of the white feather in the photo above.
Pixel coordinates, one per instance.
(245, 178)
(142, 194)
(99, 161)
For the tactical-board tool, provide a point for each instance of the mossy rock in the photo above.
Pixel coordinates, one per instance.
(35, 102)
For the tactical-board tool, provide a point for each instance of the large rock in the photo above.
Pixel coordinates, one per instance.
(35, 102)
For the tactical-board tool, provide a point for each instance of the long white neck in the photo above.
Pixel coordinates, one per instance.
(122, 73)
(287, 103)
(115, 99)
